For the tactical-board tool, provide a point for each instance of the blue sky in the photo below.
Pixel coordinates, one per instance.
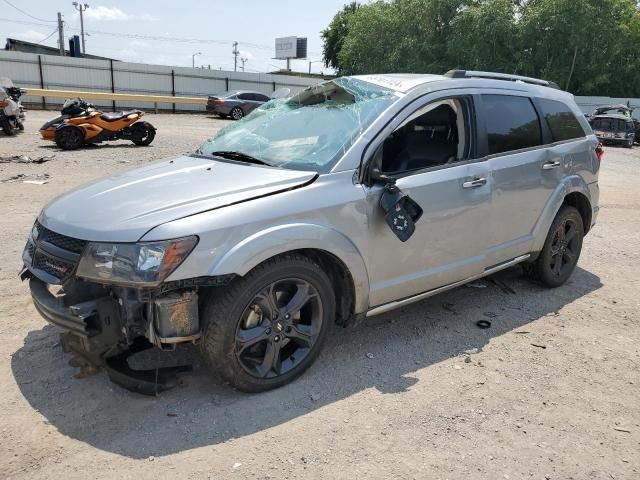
(253, 23)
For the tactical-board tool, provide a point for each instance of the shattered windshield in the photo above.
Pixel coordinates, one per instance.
(309, 131)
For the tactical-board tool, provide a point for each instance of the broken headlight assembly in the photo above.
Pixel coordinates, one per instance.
(139, 264)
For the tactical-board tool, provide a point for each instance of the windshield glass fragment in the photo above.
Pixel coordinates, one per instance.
(309, 131)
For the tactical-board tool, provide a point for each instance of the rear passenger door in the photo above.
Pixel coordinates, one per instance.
(512, 135)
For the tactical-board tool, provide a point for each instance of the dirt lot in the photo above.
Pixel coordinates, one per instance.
(550, 391)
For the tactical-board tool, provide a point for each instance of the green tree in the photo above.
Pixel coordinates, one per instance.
(335, 33)
(578, 44)
(485, 36)
(400, 36)
(586, 46)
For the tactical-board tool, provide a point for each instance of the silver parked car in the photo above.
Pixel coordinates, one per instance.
(354, 197)
(235, 104)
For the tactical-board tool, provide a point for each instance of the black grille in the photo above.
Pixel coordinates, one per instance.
(52, 266)
(61, 241)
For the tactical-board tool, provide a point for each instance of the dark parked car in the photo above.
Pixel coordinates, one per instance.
(235, 104)
(615, 124)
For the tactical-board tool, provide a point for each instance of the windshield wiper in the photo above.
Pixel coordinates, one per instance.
(242, 157)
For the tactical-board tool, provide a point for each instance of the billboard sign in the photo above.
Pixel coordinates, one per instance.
(286, 47)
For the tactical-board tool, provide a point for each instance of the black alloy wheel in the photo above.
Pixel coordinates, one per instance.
(559, 256)
(564, 248)
(266, 328)
(279, 328)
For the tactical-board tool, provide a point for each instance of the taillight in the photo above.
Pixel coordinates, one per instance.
(599, 151)
(3, 104)
(218, 102)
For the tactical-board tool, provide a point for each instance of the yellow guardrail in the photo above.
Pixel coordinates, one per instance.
(126, 97)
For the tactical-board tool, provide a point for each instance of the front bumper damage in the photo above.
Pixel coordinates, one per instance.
(106, 324)
(99, 335)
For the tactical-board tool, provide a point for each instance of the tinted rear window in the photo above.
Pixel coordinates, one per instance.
(610, 124)
(563, 123)
(511, 122)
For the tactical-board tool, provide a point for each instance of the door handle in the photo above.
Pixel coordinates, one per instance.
(475, 183)
(551, 164)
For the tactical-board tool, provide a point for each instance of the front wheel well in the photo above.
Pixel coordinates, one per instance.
(581, 203)
(341, 279)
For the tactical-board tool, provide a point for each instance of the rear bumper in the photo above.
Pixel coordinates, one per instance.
(610, 140)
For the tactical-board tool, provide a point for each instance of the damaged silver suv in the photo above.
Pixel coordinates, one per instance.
(353, 197)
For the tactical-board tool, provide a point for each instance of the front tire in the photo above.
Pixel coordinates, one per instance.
(69, 137)
(265, 329)
(561, 251)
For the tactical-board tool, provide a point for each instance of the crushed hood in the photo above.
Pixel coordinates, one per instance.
(123, 207)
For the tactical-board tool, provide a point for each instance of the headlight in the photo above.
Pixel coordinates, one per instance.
(144, 264)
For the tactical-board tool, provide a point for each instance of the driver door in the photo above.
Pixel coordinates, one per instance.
(429, 151)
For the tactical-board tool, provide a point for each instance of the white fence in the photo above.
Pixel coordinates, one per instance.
(68, 73)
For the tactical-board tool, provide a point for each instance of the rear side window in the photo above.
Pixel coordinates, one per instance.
(563, 123)
(611, 124)
(245, 96)
(511, 123)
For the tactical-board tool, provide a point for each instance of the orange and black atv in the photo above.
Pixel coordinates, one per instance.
(82, 123)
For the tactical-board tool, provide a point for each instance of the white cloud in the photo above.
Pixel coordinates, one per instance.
(28, 36)
(106, 13)
(102, 13)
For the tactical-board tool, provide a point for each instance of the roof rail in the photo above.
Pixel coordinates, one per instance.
(500, 76)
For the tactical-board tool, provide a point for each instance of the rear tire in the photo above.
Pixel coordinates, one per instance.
(69, 137)
(266, 328)
(561, 250)
(237, 113)
(142, 134)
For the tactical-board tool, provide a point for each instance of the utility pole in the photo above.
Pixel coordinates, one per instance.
(235, 52)
(81, 8)
(243, 60)
(60, 34)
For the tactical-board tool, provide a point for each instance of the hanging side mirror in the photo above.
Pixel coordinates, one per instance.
(400, 211)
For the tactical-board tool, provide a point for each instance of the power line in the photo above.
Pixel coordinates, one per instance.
(25, 13)
(48, 36)
(157, 38)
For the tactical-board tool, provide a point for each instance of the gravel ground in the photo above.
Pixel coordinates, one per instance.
(550, 391)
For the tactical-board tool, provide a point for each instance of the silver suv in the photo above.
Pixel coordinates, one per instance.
(354, 197)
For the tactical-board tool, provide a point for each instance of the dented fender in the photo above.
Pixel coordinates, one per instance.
(267, 243)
